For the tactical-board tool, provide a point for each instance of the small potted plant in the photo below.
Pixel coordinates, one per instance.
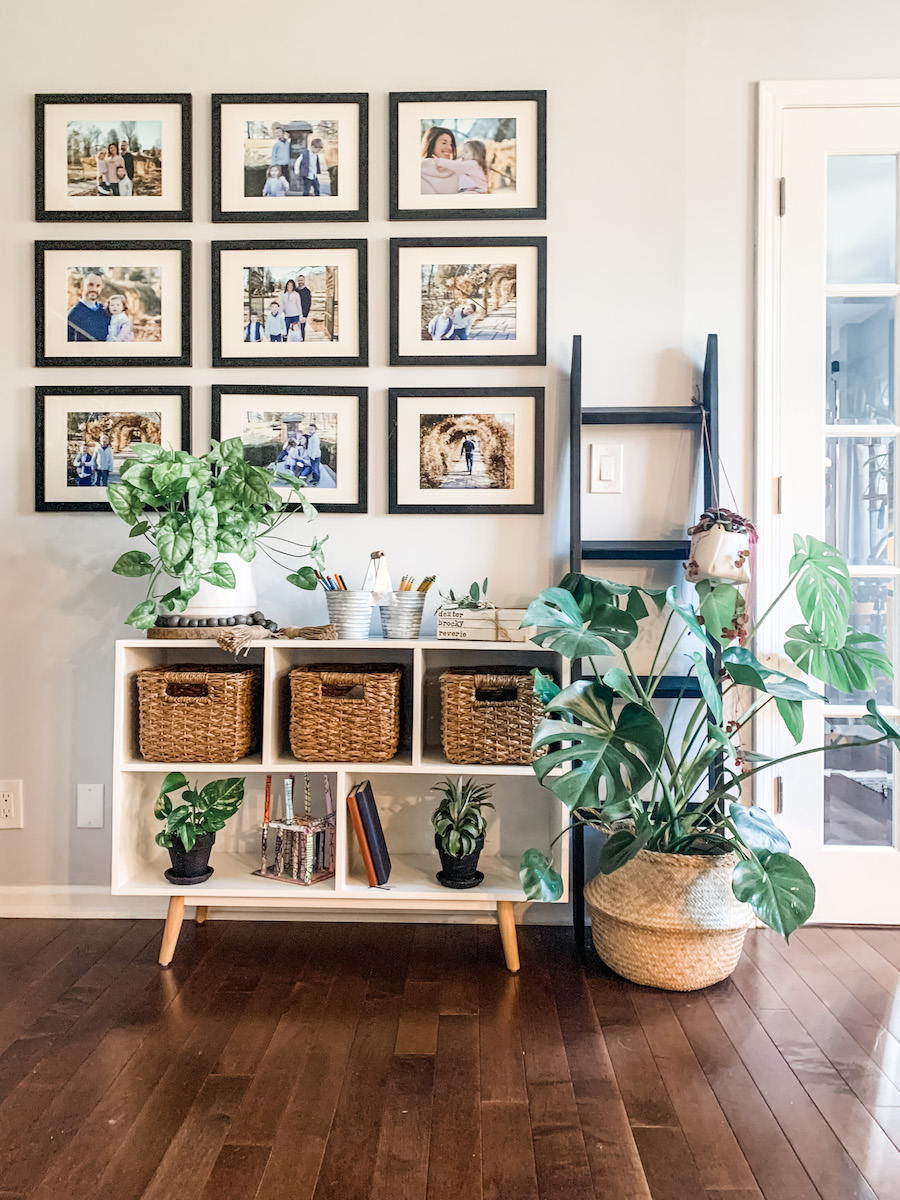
(471, 617)
(459, 831)
(192, 822)
(205, 518)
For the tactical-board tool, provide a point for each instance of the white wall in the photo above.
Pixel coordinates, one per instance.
(651, 151)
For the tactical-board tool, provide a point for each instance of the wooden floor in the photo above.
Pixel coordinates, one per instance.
(400, 1062)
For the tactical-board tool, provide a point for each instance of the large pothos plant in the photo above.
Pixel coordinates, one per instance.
(190, 509)
(626, 773)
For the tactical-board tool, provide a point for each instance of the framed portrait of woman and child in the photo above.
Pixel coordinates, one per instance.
(468, 155)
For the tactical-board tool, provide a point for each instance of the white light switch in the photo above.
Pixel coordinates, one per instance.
(89, 806)
(606, 467)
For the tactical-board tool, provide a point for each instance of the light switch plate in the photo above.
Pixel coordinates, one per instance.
(606, 467)
(89, 806)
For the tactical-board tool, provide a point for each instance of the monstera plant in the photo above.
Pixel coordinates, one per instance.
(192, 510)
(617, 766)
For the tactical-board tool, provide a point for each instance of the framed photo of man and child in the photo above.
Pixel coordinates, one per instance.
(83, 437)
(124, 157)
(279, 304)
(102, 304)
(290, 157)
(468, 301)
(468, 156)
(317, 434)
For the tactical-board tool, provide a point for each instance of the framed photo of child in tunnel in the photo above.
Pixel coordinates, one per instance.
(112, 304)
(458, 156)
(290, 157)
(278, 304)
(471, 302)
(466, 450)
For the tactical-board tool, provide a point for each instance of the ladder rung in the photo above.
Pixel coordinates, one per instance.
(691, 414)
(636, 551)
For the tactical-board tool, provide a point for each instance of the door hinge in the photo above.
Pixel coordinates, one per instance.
(779, 796)
(778, 481)
(782, 187)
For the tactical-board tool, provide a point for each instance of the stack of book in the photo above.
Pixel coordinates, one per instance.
(369, 834)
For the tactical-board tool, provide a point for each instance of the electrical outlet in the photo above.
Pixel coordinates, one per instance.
(11, 812)
(89, 806)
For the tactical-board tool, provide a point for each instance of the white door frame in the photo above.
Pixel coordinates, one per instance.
(775, 99)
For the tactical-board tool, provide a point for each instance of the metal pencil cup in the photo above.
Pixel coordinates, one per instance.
(402, 618)
(350, 613)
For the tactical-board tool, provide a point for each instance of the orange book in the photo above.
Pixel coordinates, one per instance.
(361, 838)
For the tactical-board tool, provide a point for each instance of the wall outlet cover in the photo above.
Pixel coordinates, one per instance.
(89, 806)
(12, 814)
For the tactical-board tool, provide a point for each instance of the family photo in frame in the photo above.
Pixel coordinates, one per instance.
(120, 157)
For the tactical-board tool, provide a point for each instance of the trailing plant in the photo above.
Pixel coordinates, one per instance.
(191, 509)
(458, 819)
(196, 812)
(627, 774)
(475, 597)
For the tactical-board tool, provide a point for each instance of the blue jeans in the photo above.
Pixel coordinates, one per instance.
(458, 335)
(100, 478)
(310, 186)
(289, 321)
(275, 337)
(313, 469)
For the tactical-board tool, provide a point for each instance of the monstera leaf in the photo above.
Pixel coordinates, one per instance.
(823, 589)
(778, 889)
(849, 667)
(618, 754)
(565, 629)
(540, 880)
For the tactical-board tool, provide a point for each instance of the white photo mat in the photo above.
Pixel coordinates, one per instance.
(58, 264)
(235, 405)
(56, 411)
(235, 116)
(409, 300)
(409, 411)
(409, 153)
(56, 187)
(231, 307)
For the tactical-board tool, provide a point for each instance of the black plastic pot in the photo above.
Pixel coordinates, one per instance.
(191, 866)
(459, 872)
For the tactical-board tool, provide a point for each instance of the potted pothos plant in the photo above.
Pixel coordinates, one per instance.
(459, 827)
(191, 822)
(204, 518)
(685, 863)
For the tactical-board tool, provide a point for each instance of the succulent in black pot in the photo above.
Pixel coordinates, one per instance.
(459, 827)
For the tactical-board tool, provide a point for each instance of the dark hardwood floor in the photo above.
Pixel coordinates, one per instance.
(403, 1062)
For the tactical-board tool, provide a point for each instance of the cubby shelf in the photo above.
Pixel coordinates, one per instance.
(525, 815)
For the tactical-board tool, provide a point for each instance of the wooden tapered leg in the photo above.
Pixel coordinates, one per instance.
(174, 917)
(201, 914)
(507, 922)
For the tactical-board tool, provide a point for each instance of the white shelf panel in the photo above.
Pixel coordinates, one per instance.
(232, 878)
(394, 766)
(243, 766)
(413, 878)
(340, 644)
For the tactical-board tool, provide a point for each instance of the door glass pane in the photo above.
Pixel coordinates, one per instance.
(859, 366)
(862, 218)
(859, 787)
(872, 612)
(859, 498)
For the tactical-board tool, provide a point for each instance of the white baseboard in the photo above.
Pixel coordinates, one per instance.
(97, 903)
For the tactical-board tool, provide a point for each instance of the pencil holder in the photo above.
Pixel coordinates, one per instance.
(350, 613)
(402, 618)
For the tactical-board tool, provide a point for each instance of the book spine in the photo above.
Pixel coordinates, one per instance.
(371, 822)
(361, 838)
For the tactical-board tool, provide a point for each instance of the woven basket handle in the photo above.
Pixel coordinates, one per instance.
(343, 681)
(209, 681)
(502, 683)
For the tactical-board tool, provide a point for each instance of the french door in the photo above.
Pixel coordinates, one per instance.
(828, 461)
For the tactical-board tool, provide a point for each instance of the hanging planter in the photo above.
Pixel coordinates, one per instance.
(722, 548)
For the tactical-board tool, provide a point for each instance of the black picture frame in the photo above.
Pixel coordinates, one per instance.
(535, 508)
(42, 392)
(238, 216)
(45, 99)
(42, 359)
(360, 359)
(539, 358)
(362, 396)
(536, 213)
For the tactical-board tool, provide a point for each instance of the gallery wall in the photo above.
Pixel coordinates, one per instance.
(650, 209)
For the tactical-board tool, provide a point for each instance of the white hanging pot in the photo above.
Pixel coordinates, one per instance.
(721, 548)
(212, 601)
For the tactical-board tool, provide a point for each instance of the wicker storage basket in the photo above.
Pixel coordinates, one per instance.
(669, 920)
(345, 712)
(488, 718)
(199, 713)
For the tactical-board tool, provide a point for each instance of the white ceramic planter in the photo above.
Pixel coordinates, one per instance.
(719, 556)
(212, 601)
